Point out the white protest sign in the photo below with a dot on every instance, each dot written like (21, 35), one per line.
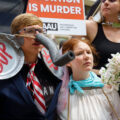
(65, 17)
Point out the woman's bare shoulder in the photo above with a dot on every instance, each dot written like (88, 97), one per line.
(91, 27)
(91, 23)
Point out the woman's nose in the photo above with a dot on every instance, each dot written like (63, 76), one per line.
(106, 2)
(86, 56)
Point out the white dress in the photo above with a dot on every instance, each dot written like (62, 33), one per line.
(92, 105)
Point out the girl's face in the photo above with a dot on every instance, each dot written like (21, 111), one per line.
(84, 58)
(110, 7)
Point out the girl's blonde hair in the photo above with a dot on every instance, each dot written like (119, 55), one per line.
(24, 20)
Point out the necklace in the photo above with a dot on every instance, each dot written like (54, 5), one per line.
(113, 24)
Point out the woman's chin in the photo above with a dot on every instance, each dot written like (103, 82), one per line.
(88, 69)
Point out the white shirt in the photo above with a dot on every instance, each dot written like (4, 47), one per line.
(93, 105)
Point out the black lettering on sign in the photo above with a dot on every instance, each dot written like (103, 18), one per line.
(50, 26)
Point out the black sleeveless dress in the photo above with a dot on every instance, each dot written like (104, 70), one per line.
(104, 47)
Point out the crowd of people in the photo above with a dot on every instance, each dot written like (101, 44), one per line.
(35, 93)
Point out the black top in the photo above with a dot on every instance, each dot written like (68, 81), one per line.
(48, 81)
(104, 47)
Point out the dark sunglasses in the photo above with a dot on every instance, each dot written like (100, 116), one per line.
(108, 0)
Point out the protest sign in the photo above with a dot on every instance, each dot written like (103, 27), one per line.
(60, 16)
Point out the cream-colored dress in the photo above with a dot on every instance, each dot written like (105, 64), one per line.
(93, 105)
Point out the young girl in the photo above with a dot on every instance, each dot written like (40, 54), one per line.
(87, 94)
